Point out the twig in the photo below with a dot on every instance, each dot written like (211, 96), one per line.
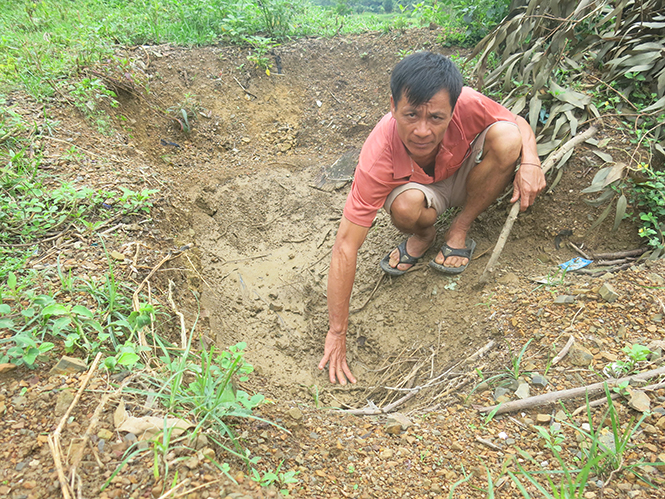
(572, 321)
(183, 328)
(245, 90)
(553, 397)
(333, 96)
(54, 438)
(615, 91)
(487, 443)
(609, 263)
(186, 481)
(514, 211)
(564, 351)
(187, 492)
(113, 158)
(619, 254)
(579, 250)
(93, 422)
(355, 311)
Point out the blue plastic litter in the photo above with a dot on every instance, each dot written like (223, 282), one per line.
(575, 263)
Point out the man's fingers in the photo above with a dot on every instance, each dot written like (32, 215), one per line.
(324, 361)
(347, 371)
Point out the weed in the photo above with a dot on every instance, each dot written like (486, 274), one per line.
(184, 112)
(89, 95)
(270, 477)
(635, 353)
(261, 46)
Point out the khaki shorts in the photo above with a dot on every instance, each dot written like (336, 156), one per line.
(452, 190)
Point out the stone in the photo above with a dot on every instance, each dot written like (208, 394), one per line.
(6, 367)
(661, 459)
(539, 380)
(116, 255)
(579, 356)
(543, 418)
(564, 300)
(500, 391)
(64, 400)
(661, 424)
(69, 365)
(105, 434)
(295, 413)
(560, 415)
(401, 419)
(608, 293)
(639, 400)
(522, 391)
(192, 463)
(393, 427)
(19, 403)
(386, 454)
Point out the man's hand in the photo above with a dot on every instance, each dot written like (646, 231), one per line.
(335, 355)
(529, 182)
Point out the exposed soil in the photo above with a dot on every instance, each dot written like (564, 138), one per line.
(239, 188)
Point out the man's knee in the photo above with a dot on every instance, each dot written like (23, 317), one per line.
(504, 141)
(407, 207)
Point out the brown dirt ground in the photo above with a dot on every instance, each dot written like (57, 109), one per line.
(239, 189)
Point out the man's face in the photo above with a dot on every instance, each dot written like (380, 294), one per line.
(421, 128)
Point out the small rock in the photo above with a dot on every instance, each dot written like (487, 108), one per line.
(522, 391)
(564, 300)
(6, 367)
(393, 427)
(192, 463)
(500, 391)
(116, 255)
(436, 488)
(579, 356)
(661, 459)
(295, 413)
(538, 380)
(649, 429)
(543, 418)
(401, 419)
(69, 365)
(560, 415)
(130, 438)
(19, 403)
(661, 423)
(64, 400)
(639, 400)
(105, 434)
(386, 454)
(608, 293)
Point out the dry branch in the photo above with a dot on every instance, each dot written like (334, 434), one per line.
(553, 397)
(551, 160)
(564, 351)
(54, 438)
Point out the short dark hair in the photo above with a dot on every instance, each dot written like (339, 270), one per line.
(421, 75)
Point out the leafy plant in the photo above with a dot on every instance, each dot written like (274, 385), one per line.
(635, 353)
(648, 194)
(89, 94)
(261, 46)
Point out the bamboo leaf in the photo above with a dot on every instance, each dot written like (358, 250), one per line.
(607, 158)
(602, 217)
(534, 111)
(621, 211)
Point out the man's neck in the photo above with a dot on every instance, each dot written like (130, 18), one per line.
(426, 162)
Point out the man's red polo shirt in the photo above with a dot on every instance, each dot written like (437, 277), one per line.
(385, 164)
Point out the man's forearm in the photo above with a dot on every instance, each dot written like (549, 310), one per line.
(340, 284)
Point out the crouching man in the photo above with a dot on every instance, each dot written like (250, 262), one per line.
(441, 145)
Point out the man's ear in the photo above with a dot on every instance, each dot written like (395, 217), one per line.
(393, 109)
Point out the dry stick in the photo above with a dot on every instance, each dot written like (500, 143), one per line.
(54, 438)
(187, 492)
(579, 250)
(183, 327)
(549, 398)
(78, 455)
(564, 351)
(505, 232)
(619, 254)
(414, 391)
(246, 91)
(378, 283)
(614, 396)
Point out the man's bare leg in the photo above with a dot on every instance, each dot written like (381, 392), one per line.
(485, 182)
(411, 216)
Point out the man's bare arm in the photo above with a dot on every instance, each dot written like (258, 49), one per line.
(529, 180)
(340, 284)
